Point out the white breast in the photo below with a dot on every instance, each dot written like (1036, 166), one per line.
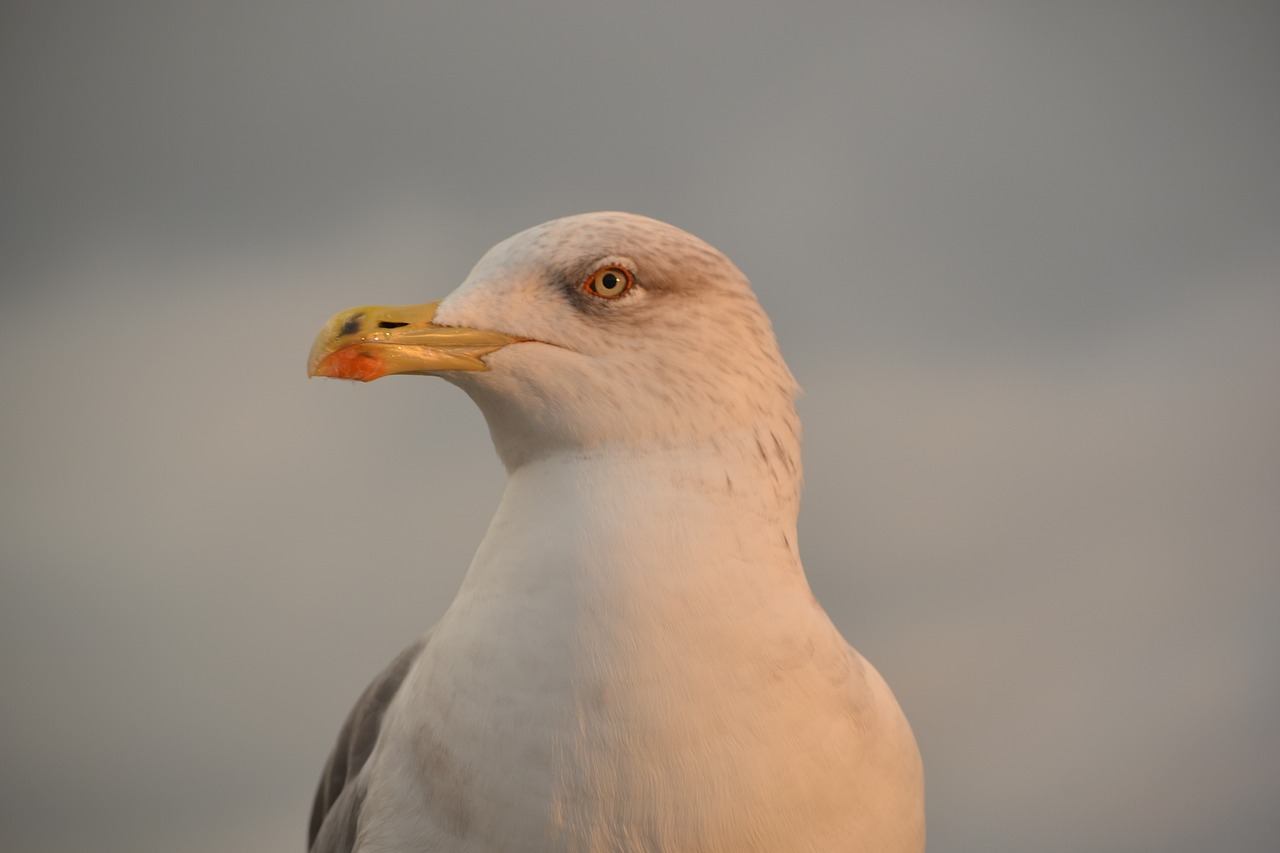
(635, 664)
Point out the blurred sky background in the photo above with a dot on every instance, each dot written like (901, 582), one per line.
(1024, 257)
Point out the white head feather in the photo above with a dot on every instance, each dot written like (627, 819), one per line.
(685, 356)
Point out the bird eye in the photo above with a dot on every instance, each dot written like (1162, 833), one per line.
(609, 282)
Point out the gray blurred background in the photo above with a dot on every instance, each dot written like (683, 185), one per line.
(1024, 258)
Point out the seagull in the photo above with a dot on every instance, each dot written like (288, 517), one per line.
(634, 660)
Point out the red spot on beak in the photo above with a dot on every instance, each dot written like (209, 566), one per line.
(351, 363)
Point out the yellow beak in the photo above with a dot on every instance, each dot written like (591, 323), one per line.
(379, 340)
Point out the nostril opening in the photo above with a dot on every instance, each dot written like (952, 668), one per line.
(387, 324)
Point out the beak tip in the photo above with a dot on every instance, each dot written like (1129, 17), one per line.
(352, 362)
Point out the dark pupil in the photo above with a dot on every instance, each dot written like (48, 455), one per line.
(610, 281)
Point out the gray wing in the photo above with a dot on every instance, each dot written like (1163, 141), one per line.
(342, 785)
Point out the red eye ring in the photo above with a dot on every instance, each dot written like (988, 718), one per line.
(609, 282)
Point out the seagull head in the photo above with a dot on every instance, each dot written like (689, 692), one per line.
(594, 332)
